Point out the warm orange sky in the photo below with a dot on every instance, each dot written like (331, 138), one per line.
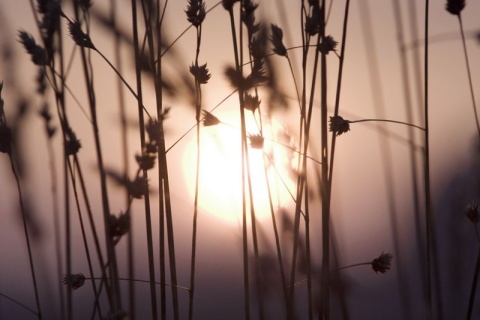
(359, 197)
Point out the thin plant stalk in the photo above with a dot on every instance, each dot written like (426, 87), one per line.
(404, 287)
(84, 238)
(19, 303)
(325, 186)
(471, 299)
(275, 230)
(27, 237)
(113, 268)
(56, 222)
(198, 106)
(60, 93)
(246, 280)
(148, 220)
(304, 139)
(308, 253)
(418, 84)
(164, 184)
(428, 209)
(386, 120)
(470, 82)
(125, 157)
(305, 124)
(101, 260)
(259, 282)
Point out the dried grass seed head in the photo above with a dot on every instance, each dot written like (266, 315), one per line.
(312, 23)
(472, 212)
(383, 262)
(119, 225)
(47, 117)
(251, 103)
(237, 80)
(154, 130)
(74, 281)
(72, 144)
(5, 133)
(138, 187)
(5, 138)
(228, 4)
(209, 119)
(85, 4)
(248, 16)
(257, 76)
(277, 41)
(455, 6)
(258, 45)
(256, 141)
(328, 44)
(200, 73)
(196, 12)
(36, 52)
(146, 161)
(41, 81)
(338, 125)
(79, 37)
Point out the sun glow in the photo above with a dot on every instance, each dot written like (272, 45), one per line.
(220, 187)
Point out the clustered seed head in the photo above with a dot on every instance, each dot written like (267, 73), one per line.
(74, 281)
(338, 125)
(41, 81)
(85, 4)
(382, 263)
(72, 144)
(119, 225)
(328, 44)
(200, 73)
(251, 103)
(248, 17)
(5, 134)
(36, 52)
(154, 129)
(138, 187)
(47, 117)
(81, 38)
(228, 4)
(209, 119)
(312, 22)
(257, 45)
(277, 41)
(146, 161)
(5, 139)
(472, 212)
(257, 76)
(256, 141)
(50, 12)
(196, 12)
(455, 6)
(236, 79)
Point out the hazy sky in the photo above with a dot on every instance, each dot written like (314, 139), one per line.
(360, 214)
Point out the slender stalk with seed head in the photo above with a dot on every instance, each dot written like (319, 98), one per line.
(151, 262)
(27, 237)
(196, 14)
(165, 204)
(455, 7)
(88, 75)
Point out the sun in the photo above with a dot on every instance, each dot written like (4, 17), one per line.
(220, 186)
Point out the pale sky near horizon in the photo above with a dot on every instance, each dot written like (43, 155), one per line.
(360, 207)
